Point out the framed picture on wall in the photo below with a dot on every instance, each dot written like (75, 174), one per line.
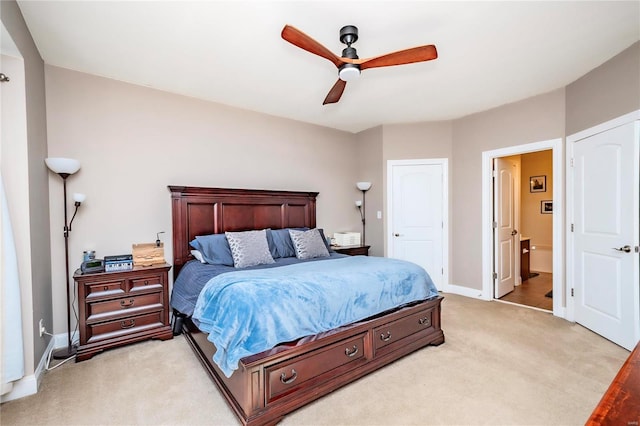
(538, 183)
(546, 206)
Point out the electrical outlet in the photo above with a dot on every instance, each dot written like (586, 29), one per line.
(41, 325)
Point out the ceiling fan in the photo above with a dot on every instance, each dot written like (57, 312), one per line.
(349, 65)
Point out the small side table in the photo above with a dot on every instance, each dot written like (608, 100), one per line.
(352, 250)
(118, 308)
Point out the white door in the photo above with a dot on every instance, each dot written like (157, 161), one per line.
(505, 232)
(417, 216)
(605, 206)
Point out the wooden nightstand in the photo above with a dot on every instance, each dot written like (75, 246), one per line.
(118, 308)
(352, 250)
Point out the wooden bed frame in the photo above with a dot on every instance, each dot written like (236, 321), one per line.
(273, 383)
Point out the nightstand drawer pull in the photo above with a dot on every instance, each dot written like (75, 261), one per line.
(146, 282)
(425, 321)
(106, 288)
(125, 305)
(352, 352)
(124, 325)
(294, 376)
(385, 338)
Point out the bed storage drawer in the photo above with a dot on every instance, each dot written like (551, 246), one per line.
(389, 336)
(288, 376)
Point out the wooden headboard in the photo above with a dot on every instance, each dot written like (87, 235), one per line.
(203, 211)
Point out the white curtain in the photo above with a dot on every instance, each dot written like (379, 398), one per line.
(12, 362)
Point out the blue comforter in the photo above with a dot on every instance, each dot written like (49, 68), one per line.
(247, 312)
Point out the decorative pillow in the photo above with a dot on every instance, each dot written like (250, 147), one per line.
(309, 244)
(249, 248)
(198, 256)
(214, 248)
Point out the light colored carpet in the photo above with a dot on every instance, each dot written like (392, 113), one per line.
(500, 365)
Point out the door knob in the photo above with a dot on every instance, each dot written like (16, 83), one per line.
(514, 232)
(626, 249)
(396, 235)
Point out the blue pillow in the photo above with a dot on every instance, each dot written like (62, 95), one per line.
(272, 245)
(280, 244)
(214, 248)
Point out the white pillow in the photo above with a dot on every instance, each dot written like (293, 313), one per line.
(249, 248)
(308, 244)
(197, 255)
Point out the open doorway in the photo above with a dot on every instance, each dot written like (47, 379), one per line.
(553, 208)
(532, 210)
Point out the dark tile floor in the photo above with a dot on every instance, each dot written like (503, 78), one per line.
(532, 292)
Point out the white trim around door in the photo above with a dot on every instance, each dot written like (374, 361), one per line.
(558, 217)
(444, 164)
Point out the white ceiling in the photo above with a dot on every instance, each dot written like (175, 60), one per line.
(231, 52)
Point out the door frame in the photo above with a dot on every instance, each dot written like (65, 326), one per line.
(444, 163)
(558, 217)
(571, 140)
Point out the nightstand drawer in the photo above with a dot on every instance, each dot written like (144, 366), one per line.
(99, 311)
(119, 327)
(146, 283)
(104, 288)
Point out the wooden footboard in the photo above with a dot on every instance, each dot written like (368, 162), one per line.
(273, 383)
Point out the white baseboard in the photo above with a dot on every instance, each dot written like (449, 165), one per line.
(29, 385)
(465, 291)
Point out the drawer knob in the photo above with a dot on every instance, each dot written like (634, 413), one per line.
(385, 337)
(425, 321)
(351, 352)
(124, 304)
(146, 282)
(124, 325)
(294, 376)
(106, 288)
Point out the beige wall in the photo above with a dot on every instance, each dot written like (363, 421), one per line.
(539, 118)
(133, 141)
(417, 141)
(370, 145)
(25, 170)
(533, 224)
(607, 92)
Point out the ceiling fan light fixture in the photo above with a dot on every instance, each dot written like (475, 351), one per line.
(349, 72)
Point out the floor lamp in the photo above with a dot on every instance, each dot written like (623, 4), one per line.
(65, 167)
(364, 187)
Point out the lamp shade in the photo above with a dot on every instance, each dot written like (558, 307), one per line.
(363, 186)
(79, 198)
(63, 165)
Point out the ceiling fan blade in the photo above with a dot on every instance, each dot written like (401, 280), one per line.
(303, 41)
(401, 57)
(335, 93)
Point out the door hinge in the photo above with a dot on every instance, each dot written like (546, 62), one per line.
(571, 292)
(571, 162)
(495, 225)
(572, 227)
(495, 275)
(442, 271)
